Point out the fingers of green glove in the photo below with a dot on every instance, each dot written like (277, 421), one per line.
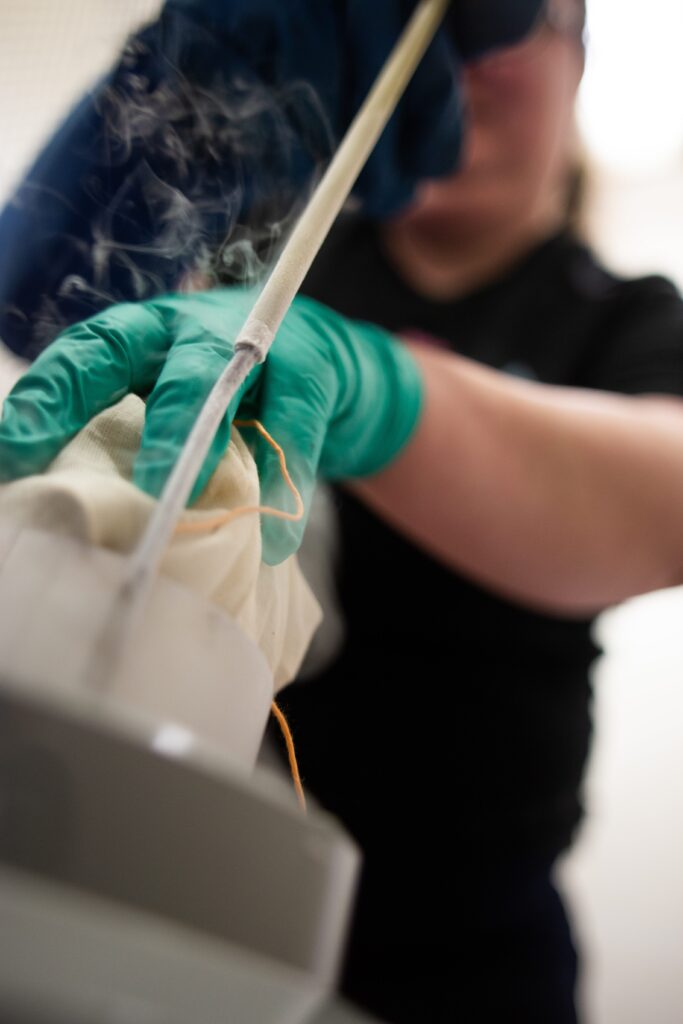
(295, 407)
(195, 361)
(89, 367)
(281, 538)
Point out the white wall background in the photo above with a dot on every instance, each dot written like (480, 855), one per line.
(624, 877)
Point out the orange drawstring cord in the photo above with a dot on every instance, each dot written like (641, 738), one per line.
(204, 525)
(291, 754)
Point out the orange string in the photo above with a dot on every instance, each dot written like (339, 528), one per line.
(222, 518)
(207, 524)
(291, 753)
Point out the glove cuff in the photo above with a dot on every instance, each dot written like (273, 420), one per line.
(377, 422)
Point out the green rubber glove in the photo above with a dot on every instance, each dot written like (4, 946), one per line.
(341, 398)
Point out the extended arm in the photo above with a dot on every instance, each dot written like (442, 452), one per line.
(566, 499)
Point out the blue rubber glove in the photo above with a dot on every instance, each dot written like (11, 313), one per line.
(342, 398)
(201, 132)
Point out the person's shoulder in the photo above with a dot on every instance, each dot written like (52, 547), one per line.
(652, 295)
(635, 337)
(587, 276)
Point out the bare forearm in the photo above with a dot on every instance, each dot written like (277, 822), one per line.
(567, 500)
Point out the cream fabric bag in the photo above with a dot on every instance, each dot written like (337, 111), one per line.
(87, 493)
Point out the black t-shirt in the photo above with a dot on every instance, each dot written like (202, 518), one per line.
(451, 734)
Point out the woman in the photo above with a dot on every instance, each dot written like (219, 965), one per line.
(497, 496)
(451, 733)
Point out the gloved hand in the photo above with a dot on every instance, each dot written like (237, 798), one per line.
(201, 123)
(342, 398)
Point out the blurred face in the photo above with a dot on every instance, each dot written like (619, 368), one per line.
(518, 140)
